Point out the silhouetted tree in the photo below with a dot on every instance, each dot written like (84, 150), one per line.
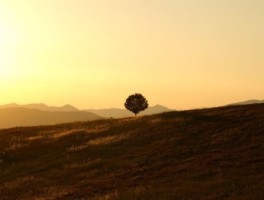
(136, 103)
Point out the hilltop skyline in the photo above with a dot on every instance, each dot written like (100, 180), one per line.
(94, 54)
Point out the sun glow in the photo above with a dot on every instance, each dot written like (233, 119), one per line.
(2, 36)
(94, 53)
(5, 72)
(5, 68)
(7, 49)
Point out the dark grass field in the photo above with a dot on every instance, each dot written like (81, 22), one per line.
(213, 153)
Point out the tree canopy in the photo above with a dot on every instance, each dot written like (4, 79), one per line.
(136, 103)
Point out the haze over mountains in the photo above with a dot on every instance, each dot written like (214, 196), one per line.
(43, 107)
(13, 115)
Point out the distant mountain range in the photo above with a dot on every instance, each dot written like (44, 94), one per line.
(43, 107)
(247, 102)
(13, 115)
(119, 113)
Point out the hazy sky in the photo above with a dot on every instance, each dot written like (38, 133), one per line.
(94, 53)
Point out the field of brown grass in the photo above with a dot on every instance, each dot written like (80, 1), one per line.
(215, 153)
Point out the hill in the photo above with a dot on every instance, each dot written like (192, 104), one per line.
(41, 106)
(12, 117)
(248, 102)
(198, 154)
(121, 113)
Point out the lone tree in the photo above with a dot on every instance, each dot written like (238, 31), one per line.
(136, 103)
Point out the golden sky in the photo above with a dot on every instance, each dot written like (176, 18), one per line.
(94, 53)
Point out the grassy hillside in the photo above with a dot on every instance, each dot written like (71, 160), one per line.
(201, 154)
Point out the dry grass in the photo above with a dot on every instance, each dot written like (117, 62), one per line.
(200, 154)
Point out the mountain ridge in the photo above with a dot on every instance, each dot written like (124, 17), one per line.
(41, 106)
(107, 113)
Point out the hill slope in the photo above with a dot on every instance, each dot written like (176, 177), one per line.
(12, 117)
(201, 154)
(248, 102)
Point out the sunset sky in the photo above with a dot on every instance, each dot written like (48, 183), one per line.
(94, 53)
